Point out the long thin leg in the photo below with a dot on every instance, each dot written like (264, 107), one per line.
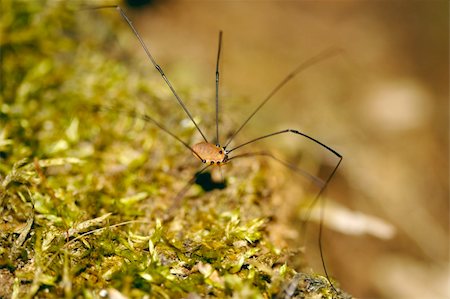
(308, 137)
(217, 87)
(148, 118)
(153, 61)
(322, 216)
(176, 201)
(308, 63)
(287, 131)
(318, 182)
(302, 172)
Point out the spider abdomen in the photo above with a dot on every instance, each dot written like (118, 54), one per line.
(210, 153)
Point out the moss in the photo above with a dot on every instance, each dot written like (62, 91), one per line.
(84, 194)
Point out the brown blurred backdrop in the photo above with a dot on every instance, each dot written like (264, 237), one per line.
(383, 104)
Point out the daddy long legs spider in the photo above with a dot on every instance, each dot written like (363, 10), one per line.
(216, 154)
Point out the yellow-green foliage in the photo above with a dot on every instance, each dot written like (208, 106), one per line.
(87, 195)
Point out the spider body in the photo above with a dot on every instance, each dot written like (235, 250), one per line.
(210, 153)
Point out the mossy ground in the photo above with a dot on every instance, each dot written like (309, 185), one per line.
(85, 193)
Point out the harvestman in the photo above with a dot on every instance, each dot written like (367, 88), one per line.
(215, 154)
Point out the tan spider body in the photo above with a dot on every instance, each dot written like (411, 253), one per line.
(210, 153)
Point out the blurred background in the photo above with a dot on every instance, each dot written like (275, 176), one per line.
(382, 103)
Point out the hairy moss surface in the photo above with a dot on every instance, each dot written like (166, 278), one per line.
(87, 194)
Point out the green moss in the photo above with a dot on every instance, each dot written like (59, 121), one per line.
(85, 194)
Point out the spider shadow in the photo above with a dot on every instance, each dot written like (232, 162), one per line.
(205, 181)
